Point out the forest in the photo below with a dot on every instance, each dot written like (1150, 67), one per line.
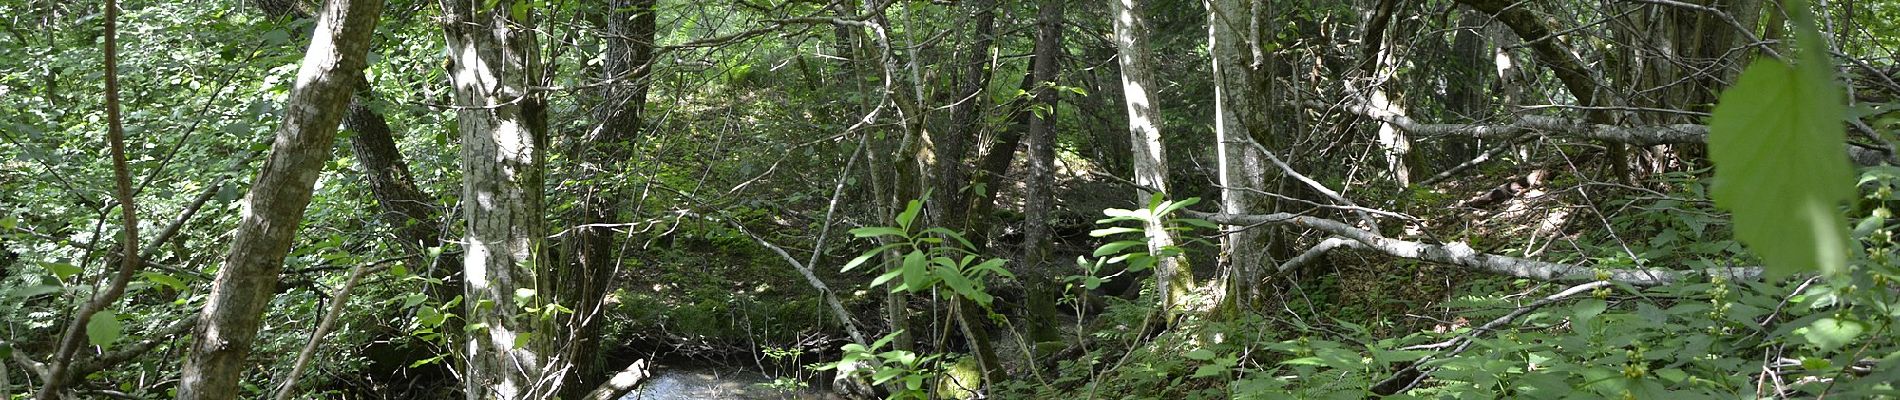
(949, 199)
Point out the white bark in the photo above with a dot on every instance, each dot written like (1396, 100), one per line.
(1556, 126)
(503, 128)
(1236, 155)
(1151, 159)
(1460, 254)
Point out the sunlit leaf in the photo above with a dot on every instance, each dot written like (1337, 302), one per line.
(1831, 333)
(104, 329)
(1776, 141)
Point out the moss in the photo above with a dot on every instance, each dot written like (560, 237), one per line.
(960, 380)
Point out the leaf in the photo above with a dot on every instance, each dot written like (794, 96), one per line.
(1112, 231)
(60, 269)
(1831, 333)
(1199, 355)
(915, 273)
(104, 329)
(1117, 247)
(875, 231)
(860, 259)
(886, 277)
(909, 214)
(33, 291)
(1776, 141)
(167, 280)
(963, 286)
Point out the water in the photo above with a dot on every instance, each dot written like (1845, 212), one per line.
(700, 383)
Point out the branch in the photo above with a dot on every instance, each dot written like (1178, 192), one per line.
(837, 308)
(153, 339)
(1461, 254)
(1463, 342)
(1566, 127)
(622, 382)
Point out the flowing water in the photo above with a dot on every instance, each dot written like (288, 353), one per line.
(710, 383)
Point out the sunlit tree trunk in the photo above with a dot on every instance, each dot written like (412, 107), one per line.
(274, 208)
(1240, 166)
(1172, 279)
(504, 129)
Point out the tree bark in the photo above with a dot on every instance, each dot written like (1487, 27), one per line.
(605, 152)
(274, 208)
(950, 207)
(1239, 165)
(504, 131)
(1039, 185)
(1151, 158)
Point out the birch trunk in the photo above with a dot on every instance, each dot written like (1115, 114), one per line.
(1151, 159)
(503, 132)
(331, 70)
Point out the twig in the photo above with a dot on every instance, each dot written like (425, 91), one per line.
(115, 136)
(337, 302)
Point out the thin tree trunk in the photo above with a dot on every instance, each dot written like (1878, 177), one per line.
(504, 132)
(273, 210)
(1240, 167)
(1172, 279)
(1039, 185)
(129, 259)
(605, 151)
(949, 207)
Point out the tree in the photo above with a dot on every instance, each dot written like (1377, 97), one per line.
(1172, 279)
(604, 152)
(274, 208)
(503, 126)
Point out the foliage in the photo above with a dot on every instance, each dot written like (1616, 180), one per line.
(928, 259)
(1776, 141)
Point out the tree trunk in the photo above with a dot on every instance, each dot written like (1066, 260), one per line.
(949, 205)
(504, 131)
(628, 47)
(274, 208)
(1240, 166)
(1039, 185)
(1172, 279)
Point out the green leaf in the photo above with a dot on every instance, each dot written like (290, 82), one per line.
(1112, 231)
(1831, 333)
(1117, 247)
(875, 231)
(33, 291)
(1199, 355)
(104, 328)
(60, 269)
(861, 258)
(963, 286)
(916, 273)
(886, 277)
(909, 214)
(1776, 141)
(167, 280)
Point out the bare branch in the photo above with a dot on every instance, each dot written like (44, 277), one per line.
(1461, 254)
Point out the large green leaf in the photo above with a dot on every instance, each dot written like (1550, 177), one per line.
(1776, 140)
(104, 328)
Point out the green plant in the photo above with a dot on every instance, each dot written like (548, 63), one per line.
(911, 372)
(929, 259)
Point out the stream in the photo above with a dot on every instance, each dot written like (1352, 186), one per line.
(712, 383)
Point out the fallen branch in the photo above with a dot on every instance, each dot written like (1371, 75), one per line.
(622, 382)
(1461, 254)
(1557, 126)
